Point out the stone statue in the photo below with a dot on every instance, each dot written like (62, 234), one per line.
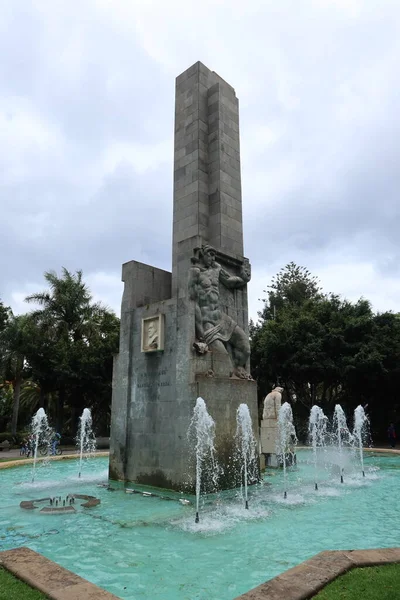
(272, 403)
(152, 335)
(214, 328)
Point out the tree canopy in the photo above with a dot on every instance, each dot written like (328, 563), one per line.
(325, 350)
(59, 356)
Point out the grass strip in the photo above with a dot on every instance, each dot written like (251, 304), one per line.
(369, 583)
(12, 588)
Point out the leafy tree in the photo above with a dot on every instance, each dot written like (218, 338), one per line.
(77, 340)
(292, 286)
(5, 315)
(290, 290)
(14, 341)
(326, 350)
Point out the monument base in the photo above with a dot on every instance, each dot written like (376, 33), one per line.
(223, 397)
(272, 460)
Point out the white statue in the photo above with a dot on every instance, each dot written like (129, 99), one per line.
(152, 335)
(272, 403)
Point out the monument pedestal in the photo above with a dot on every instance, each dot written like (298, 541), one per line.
(223, 397)
(268, 439)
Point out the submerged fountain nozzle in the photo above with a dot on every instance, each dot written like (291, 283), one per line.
(245, 447)
(360, 431)
(341, 479)
(287, 439)
(85, 439)
(41, 436)
(285, 495)
(201, 434)
(317, 433)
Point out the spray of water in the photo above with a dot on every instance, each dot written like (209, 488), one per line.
(287, 439)
(341, 433)
(317, 426)
(360, 431)
(201, 434)
(41, 435)
(246, 446)
(85, 439)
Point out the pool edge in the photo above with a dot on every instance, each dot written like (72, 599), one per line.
(309, 577)
(49, 577)
(29, 461)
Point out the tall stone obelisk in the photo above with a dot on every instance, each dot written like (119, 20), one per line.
(185, 334)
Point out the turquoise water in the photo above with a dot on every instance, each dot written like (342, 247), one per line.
(144, 547)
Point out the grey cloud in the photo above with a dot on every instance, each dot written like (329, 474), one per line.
(323, 81)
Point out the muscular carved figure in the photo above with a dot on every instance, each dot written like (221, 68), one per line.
(214, 328)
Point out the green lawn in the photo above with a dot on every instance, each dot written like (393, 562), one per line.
(370, 583)
(12, 588)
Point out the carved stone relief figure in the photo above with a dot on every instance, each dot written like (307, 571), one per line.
(152, 335)
(215, 329)
(272, 403)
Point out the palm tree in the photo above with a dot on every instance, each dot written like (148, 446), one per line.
(67, 307)
(67, 318)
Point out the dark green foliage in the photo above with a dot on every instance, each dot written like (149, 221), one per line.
(61, 355)
(325, 350)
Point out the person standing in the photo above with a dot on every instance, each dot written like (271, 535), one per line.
(392, 435)
(54, 443)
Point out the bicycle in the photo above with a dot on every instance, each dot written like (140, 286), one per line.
(44, 450)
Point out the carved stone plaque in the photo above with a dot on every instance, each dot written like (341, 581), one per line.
(153, 334)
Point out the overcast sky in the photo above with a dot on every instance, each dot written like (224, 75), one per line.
(86, 146)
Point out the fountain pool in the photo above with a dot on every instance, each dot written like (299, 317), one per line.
(147, 547)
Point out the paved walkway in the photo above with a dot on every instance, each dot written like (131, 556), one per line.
(15, 452)
(13, 458)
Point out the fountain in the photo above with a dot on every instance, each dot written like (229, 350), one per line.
(85, 439)
(202, 433)
(287, 439)
(131, 523)
(60, 504)
(41, 434)
(359, 431)
(245, 444)
(317, 432)
(342, 433)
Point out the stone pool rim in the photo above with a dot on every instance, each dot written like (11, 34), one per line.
(302, 582)
(50, 578)
(309, 577)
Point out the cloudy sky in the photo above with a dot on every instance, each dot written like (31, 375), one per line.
(86, 146)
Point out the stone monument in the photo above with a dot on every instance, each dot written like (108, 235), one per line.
(185, 334)
(269, 426)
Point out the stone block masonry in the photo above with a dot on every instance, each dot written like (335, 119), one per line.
(207, 182)
(154, 393)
